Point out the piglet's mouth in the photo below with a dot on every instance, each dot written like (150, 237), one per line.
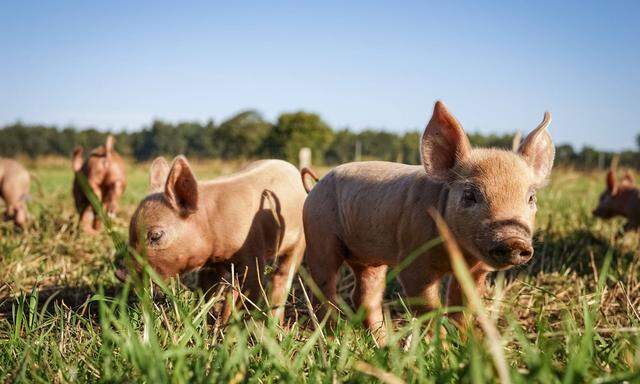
(601, 214)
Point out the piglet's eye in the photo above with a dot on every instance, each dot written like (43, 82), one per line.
(154, 236)
(469, 197)
(532, 198)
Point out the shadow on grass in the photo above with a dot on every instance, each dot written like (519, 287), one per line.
(582, 252)
(75, 298)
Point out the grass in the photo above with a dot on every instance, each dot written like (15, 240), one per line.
(572, 315)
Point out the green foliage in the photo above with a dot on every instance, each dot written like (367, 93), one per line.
(491, 140)
(242, 135)
(342, 147)
(294, 131)
(380, 145)
(248, 135)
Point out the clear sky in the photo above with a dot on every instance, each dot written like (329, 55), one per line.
(498, 66)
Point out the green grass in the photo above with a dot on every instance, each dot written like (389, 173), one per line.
(573, 315)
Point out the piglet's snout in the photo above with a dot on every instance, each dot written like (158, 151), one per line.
(513, 251)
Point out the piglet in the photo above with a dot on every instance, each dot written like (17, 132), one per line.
(14, 190)
(372, 215)
(105, 175)
(248, 219)
(621, 198)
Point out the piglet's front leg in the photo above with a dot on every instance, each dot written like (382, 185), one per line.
(368, 295)
(455, 296)
(421, 287)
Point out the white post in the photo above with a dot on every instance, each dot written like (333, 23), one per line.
(304, 157)
(358, 154)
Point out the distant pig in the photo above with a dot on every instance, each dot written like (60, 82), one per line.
(621, 198)
(14, 189)
(248, 219)
(372, 215)
(105, 174)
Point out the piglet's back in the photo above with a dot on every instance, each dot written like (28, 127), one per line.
(369, 199)
(14, 173)
(265, 185)
(260, 176)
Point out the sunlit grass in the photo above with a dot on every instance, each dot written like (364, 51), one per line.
(570, 316)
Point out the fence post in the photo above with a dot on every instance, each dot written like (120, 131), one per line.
(304, 157)
(358, 155)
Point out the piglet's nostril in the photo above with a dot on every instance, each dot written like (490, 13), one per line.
(521, 252)
(526, 253)
(513, 252)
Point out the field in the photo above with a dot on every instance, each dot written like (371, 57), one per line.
(571, 315)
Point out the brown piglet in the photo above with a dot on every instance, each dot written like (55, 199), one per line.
(373, 215)
(248, 219)
(14, 190)
(621, 198)
(105, 175)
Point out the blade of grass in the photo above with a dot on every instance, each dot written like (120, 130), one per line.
(461, 272)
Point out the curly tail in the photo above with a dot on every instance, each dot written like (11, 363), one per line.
(308, 172)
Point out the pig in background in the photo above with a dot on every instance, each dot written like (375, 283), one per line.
(14, 190)
(372, 215)
(105, 174)
(620, 198)
(248, 219)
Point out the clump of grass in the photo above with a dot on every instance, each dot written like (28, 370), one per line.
(572, 316)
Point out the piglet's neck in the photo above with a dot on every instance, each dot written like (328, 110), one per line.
(631, 198)
(206, 215)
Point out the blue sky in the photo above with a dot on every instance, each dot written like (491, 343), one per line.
(497, 66)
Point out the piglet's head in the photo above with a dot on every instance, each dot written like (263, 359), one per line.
(17, 212)
(165, 226)
(491, 200)
(97, 164)
(616, 198)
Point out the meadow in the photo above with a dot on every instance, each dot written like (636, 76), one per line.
(570, 315)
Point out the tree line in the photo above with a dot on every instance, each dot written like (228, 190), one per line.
(248, 135)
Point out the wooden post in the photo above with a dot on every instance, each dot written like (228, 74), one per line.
(304, 157)
(358, 155)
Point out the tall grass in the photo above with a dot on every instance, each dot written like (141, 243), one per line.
(571, 316)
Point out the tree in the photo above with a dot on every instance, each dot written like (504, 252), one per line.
(565, 154)
(490, 141)
(200, 139)
(161, 139)
(411, 147)
(342, 148)
(380, 145)
(296, 130)
(242, 135)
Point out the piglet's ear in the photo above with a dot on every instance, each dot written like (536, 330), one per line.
(108, 145)
(181, 189)
(611, 181)
(76, 159)
(538, 150)
(444, 143)
(628, 178)
(158, 173)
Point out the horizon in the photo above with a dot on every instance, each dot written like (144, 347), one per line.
(359, 66)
